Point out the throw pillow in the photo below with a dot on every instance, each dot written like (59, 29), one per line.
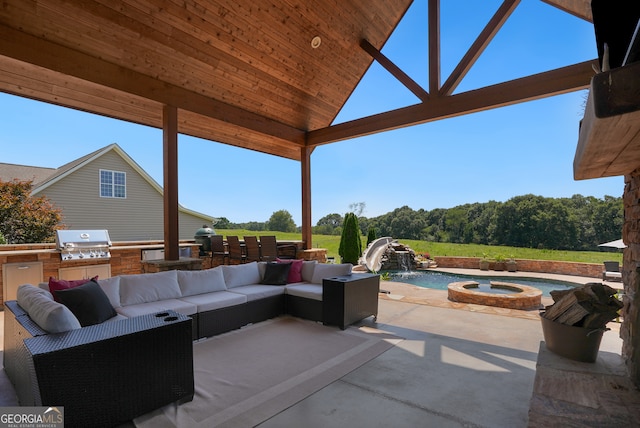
(63, 284)
(295, 273)
(276, 273)
(88, 303)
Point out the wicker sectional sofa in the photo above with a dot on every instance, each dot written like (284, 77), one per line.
(147, 323)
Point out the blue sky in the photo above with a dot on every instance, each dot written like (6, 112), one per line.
(491, 155)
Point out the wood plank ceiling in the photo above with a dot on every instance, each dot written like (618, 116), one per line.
(241, 72)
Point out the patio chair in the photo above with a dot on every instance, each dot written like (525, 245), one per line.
(611, 271)
(235, 250)
(252, 249)
(268, 248)
(218, 249)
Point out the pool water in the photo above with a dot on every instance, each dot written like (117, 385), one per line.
(486, 288)
(440, 280)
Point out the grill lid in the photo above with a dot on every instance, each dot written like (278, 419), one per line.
(83, 244)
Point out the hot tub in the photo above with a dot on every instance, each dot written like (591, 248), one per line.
(512, 296)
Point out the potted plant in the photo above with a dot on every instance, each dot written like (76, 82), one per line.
(484, 262)
(511, 264)
(500, 262)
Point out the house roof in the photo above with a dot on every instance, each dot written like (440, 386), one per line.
(9, 172)
(45, 177)
(267, 76)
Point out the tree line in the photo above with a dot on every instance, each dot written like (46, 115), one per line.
(529, 221)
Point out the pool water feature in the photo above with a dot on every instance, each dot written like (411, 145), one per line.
(441, 280)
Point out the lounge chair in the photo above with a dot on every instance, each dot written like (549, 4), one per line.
(611, 271)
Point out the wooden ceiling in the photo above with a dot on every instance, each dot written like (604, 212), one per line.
(242, 72)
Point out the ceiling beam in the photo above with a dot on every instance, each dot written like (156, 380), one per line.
(479, 45)
(402, 77)
(554, 82)
(579, 8)
(33, 50)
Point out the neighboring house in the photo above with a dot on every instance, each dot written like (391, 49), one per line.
(107, 189)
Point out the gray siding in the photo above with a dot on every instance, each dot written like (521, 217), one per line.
(139, 216)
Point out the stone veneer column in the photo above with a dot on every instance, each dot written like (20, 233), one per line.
(631, 276)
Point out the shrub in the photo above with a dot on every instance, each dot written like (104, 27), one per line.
(371, 235)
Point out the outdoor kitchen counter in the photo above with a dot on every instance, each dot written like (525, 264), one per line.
(125, 260)
(20, 252)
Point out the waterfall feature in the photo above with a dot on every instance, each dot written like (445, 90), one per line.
(404, 260)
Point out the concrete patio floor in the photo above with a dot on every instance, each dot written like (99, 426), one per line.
(460, 365)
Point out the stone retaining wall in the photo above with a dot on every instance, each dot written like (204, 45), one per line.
(593, 270)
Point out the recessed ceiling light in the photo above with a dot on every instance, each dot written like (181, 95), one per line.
(315, 42)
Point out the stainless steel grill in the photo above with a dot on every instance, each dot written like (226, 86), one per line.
(83, 244)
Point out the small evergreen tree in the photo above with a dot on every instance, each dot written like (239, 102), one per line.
(371, 235)
(350, 243)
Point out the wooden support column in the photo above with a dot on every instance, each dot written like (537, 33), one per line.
(305, 161)
(170, 163)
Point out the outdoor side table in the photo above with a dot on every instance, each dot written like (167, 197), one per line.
(349, 298)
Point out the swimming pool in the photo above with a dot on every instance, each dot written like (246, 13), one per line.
(440, 280)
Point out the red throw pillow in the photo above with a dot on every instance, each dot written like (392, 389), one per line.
(295, 273)
(63, 284)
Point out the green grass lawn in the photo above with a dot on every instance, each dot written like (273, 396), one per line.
(331, 243)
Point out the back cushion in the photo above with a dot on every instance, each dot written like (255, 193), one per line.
(149, 287)
(307, 270)
(50, 315)
(322, 271)
(239, 275)
(262, 267)
(201, 281)
(111, 287)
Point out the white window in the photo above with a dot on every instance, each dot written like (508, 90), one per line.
(113, 184)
